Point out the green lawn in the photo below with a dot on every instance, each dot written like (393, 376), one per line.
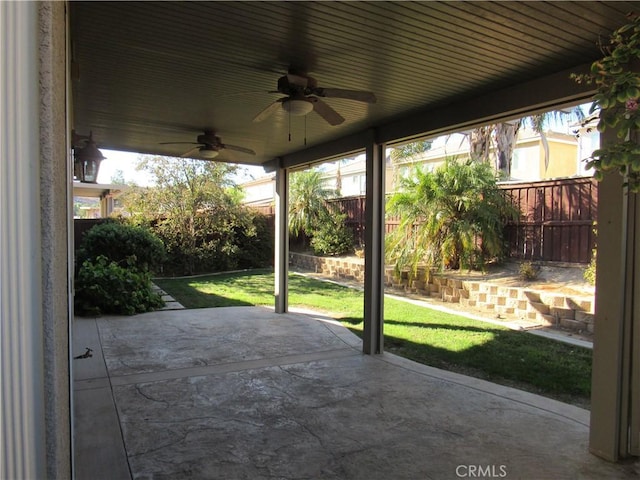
(442, 340)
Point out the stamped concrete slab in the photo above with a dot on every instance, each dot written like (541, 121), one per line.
(169, 340)
(98, 443)
(99, 448)
(290, 396)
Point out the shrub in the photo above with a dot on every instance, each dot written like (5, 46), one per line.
(124, 244)
(256, 243)
(223, 239)
(529, 271)
(332, 236)
(590, 272)
(104, 286)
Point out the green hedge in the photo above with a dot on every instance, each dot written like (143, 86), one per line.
(113, 268)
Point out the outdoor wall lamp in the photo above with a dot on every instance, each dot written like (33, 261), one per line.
(86, 161)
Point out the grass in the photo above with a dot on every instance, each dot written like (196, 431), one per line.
(442, 340)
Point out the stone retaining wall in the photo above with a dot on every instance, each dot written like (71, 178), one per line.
(538, 307)
(558, 310)
(335, 267)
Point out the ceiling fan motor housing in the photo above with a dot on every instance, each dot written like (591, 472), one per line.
(209, 139)
(296, 84)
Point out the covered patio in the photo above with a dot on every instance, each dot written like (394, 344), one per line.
(151, 77)
(244, 393)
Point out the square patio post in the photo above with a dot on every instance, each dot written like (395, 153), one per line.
(374, 250)
(281, 261)
(615, 397)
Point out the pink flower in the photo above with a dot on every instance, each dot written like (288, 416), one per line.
(631, 105)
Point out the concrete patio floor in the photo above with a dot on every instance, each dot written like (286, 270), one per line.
(243, 393)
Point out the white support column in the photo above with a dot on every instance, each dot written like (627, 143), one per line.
(615, 397)
(22, 393)
(374, 251)
(281, 262)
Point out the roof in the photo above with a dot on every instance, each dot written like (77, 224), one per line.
(152, 72)
(97, 190)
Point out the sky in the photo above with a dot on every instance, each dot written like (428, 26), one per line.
(125, 161)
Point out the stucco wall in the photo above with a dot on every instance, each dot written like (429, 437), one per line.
(55, 221)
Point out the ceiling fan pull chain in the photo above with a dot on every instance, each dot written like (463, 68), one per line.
(305, 130)
(289, 125)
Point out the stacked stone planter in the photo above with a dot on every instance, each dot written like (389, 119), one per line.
(335, 267)
(536, 307)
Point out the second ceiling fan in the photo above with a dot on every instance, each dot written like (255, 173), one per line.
(209, 146)
(302, 96)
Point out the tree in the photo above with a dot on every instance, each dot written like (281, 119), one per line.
(617, 97)
(118, 178)
(195, 208)
(405, 153)
(452, 217)
(307, 201)
(332, 236)
(495, 143)
(410, 149)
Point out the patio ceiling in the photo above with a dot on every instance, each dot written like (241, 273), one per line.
(151, 72)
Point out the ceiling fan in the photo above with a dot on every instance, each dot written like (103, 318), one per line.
(209, 146)
(302, 92)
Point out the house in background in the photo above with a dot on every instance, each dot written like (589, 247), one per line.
(588, 141)
(536, 157)
(348, 177)
(104, 198)
(556, 155)
(260, 191)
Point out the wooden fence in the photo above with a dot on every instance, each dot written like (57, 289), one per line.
(557, 220)
(82, 226)
(556, 224)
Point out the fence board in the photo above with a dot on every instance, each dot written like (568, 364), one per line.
(556, 222)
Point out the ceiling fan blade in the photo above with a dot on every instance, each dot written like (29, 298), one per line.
(268, 111)
(178, 143)
(358, 95)
(326, 112)
(238, 149)
(188, 154)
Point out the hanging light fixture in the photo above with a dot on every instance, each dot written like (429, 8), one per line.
(208, 152)
(86, 162)
(297, 107)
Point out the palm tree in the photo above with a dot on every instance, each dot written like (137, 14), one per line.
(404, 154)
(503, 136)
(452, 217)
(307, 201)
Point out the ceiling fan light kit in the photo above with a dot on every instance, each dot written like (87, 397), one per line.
(297, 107)
(302, 96)
(208, 153)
